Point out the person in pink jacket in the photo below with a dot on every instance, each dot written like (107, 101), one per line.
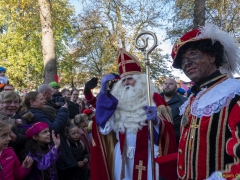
(10, 167)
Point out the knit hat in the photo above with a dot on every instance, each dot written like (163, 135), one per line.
(35, 129)
(2, 69)
(54, 84)
(87, 111)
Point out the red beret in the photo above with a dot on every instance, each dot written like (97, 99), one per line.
(87, 111)
(35, 129)
(190, 36)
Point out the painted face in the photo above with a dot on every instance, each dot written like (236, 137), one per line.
(75, 95)
(169, 87)
(43, 137)
(73, 134)
(10, 107)
(128, 81)
(4, 137)
(39, 102)
(197, 65)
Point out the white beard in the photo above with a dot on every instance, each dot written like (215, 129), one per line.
(130, 114)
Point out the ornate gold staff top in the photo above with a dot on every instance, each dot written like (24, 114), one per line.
(146, 53)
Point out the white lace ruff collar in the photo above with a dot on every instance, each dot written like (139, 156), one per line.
(214, 100)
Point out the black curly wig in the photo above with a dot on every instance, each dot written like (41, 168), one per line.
(214, 49)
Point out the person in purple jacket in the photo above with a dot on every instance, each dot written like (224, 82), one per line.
(44, 155)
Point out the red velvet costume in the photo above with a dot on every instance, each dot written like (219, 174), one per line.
(210, 127)
(210, 143)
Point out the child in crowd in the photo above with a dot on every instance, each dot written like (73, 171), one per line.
(79, 152)
(44, 155)
(10, 167)
(90, 114)
(3, 78)
(81, 121)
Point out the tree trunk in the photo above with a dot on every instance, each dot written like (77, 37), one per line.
(199, 13)
(48, 45)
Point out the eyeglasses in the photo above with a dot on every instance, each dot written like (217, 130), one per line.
(75, 94)
(2, 72)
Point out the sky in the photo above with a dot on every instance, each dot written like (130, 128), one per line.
(166, 46)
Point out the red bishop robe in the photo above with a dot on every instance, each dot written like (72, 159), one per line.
(102, 147)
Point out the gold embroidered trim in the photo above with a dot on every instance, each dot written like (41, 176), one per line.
(160, 142)
(93, 142)
(126, 62)
(208, 145)
(165, 113)
(91, 99)
(140, 168)
(101, 147)
(179, 44)
(185, 152)
(166, 145)
(235, 149)
(228, 166)
(130, 73)
(223, 135)
(217, 139)
(193, 127)
(197, 153)
(238, 103)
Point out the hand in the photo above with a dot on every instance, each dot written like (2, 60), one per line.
(80, 163)
(104, 82)
(151, 112)
(13, 137)
(18, 122)
(65, 106)
(57, 104)
(56, 139)
(85, 160)
(92, 83)
(27, 163)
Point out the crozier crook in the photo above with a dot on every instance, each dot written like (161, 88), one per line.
(146, 53)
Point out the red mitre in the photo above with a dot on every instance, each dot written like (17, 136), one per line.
(186, 38)
(128, 63)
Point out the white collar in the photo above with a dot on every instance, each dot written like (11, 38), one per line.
(213, 100)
